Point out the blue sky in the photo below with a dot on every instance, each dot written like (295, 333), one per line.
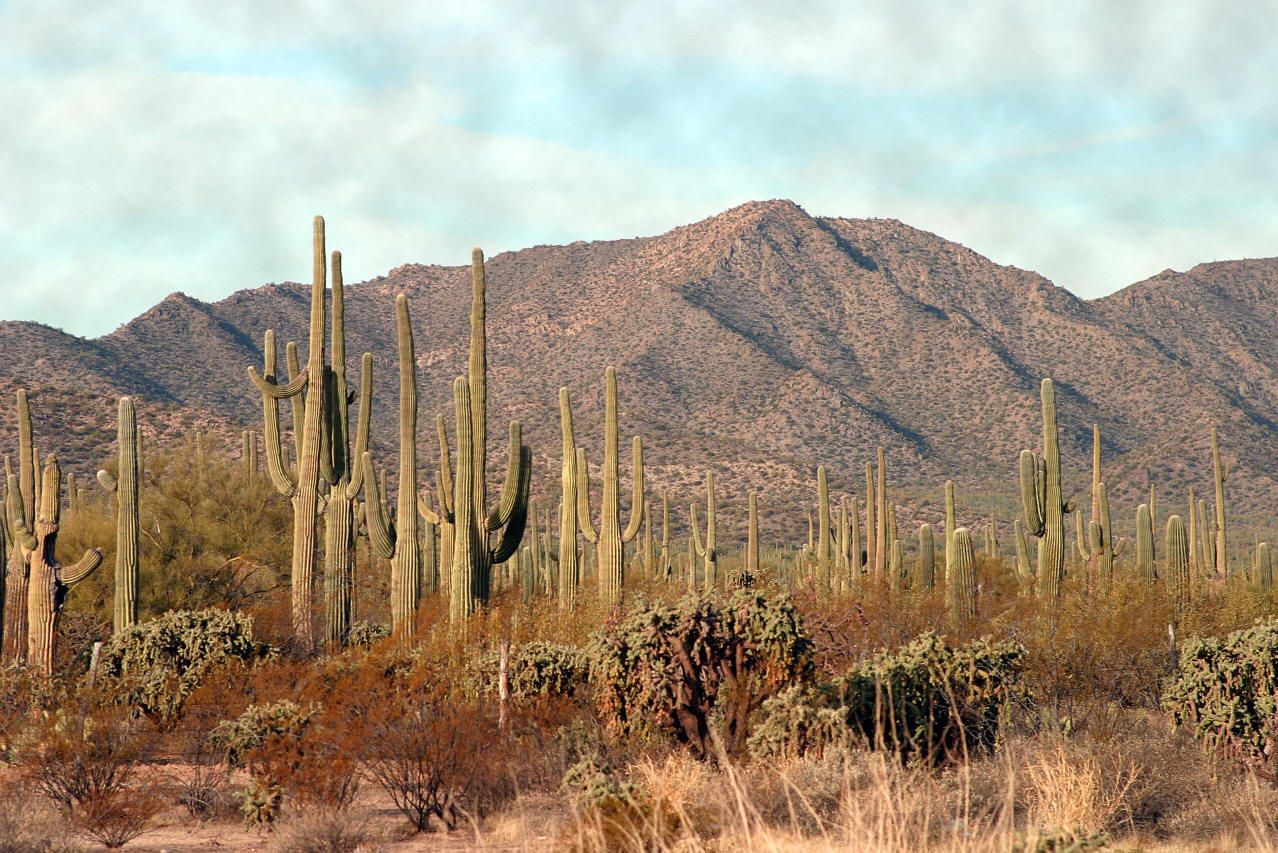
(180, 146)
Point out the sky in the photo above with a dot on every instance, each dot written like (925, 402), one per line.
(150, 147)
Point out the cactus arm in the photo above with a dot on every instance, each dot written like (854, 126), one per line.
(71, 575)
(381, 533)
(22, 534)
(510, 490)
(362, 426)
(513, 533)
(1031, 493)
(583, 498)
(637, 497)
(298, 401)
(287, 391)
(477, 369)
(697, 544)
(424, 509)
(107, 480)
(282, 478)
(445, 469)
(28, 464)
(1083, 550)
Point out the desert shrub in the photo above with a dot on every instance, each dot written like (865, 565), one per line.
(271, 742)
(1059, 841)
(365, 633)
(86, 761)
(1226, 693)
(927, 702)
(437, 753)
(158, 664)
(670, 668)
(320, 832)
(536, 669)
(27, 827)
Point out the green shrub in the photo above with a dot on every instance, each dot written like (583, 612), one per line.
(158, 664)
(927, 702)
(672, 668)
(365, 633)
(1226, 692)
(266, 739)
(537, 669)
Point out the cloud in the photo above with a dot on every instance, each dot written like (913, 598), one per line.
(166, 146)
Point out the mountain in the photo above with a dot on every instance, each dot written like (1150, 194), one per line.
(761, 342)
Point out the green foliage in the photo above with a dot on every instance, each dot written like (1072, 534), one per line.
(158, 664)
(1226, 691)
(264, 739)
(1059, 841)
(537, 669)
(670, 668)
(365, 633)
(927, 702)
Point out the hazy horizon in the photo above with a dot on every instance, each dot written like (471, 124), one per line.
(182, 148)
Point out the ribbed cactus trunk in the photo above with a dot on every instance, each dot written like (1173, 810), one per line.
(1043, 506)
(823, 541)
(21, 507)
(707, 548)
(127, 526)
(950, 527)
(397, 541)
(1193, 533)
(569, 571)
(665, 536)
(609, 538)
(1222, 471)
(752, 540)
(50, 581)
(1176, 549)
(925, 565)
(882, 539)
(962, 586)
(871, 523)
(466, 590)
(1206, 541)
(1144, 544)
(1024, 569)
(1264, 568)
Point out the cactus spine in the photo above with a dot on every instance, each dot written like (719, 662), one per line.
(49, 580)
(925, 566)
(1041, 500)
(1144, 543)
(397, 540)
(707, 550)
(1222, 472)
(127, 527)
(962, 586)
(609, 538)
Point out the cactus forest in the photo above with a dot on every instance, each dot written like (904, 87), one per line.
(322, 637)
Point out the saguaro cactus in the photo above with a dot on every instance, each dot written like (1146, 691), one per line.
(925, 566)
(127, 527)
(22, 491)
(824, 543)
(475, 527)
(49, 580)
(950, 527)
(397, 540)
(962, 586)
(1144, 544)
(1264, 568)
(665, 536)
(1222, 470)
(752, 540)
(871, 524)
(882, 539)
(302, 486)
(1043, 505)
(1176, 548)
(1024, 569)
(707, 549)
(569, 571)
(609, 538)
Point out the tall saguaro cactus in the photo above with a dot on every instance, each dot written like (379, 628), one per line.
(50, 580)
(1144, 543)
(22, 491)
(962, 585)
(303, 485)
(950, 526)
(1044, 508)
(127, 526)
(925, 567)
(823, 540)
(569, 571)
(1222, 470)
(397, 540)
(706, 549)
(752, 540)
(1176, 548)
(609, 538)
